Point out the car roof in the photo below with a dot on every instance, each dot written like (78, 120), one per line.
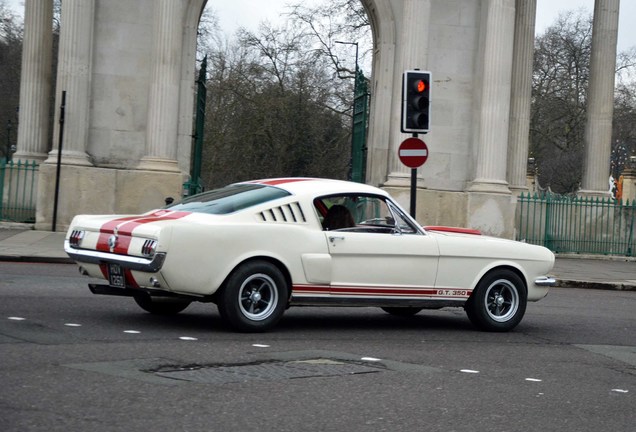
(317, 186)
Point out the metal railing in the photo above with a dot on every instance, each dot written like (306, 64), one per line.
(18, 190)
(580, 225)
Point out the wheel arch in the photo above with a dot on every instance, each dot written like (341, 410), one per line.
(502, 266)
(274, 261)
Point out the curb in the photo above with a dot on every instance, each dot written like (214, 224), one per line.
(607, 286)
(34, 259)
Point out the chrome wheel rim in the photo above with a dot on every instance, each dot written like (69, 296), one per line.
(501, 300)
(258, 297)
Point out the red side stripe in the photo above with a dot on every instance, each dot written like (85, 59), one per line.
(379, 292)
(382, 291)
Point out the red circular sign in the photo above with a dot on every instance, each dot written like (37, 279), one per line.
(413, 152)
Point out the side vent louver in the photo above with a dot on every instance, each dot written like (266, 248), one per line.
(288, 213)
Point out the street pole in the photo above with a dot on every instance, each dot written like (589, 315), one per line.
(59, 160)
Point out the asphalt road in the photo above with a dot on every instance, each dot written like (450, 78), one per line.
(72, 361)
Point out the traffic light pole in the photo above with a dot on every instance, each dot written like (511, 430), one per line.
(416, 95)
(413, 188)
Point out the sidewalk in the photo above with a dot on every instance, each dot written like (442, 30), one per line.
(32, 246)
(18, 244)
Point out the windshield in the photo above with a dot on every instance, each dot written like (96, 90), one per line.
(229, 199)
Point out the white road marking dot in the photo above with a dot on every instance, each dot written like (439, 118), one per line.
(533, 379)
(188, 338)
(132, 331)
(370, 359)
(620, 391)
(72, 325)
(469, 371)
(16, 318)
(260, 345)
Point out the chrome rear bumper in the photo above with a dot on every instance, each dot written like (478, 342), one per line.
(128, 262)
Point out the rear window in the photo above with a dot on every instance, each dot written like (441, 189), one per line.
(230, 199)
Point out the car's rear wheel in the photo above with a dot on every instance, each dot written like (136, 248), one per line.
(499, 301)
(402, 311)
(160, 305)
(254, 297)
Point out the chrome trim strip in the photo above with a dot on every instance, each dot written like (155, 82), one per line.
(133, 263)
(545, 281)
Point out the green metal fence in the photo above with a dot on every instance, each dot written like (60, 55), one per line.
(18, 183)
(581, 225)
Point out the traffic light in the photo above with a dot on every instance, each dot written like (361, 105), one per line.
(416, 103)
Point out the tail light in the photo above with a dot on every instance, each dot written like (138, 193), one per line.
(149, 248)
(76, 238)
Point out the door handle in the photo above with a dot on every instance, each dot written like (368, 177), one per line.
(333, 239)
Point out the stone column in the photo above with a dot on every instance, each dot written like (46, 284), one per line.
(380, 118)
(629, 181)
(161, 133)
(493, 98)
(74, 74)
(35, 80)
(413, 53)
(521, 93)
(598, 128)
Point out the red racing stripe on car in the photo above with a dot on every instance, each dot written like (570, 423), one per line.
(109, 228)
(453, 230)
(130, 279)
(381, 291)
(127, 228)
(126, 225)
(274, 182)
(311, 289)
(357, 291)
(104, 270)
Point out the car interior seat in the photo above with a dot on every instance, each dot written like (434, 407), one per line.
(338, 217)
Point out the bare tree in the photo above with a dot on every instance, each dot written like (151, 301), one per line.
(10, 66)
(559, 100)
(271, 110)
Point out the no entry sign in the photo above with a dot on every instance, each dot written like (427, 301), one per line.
(413, 152)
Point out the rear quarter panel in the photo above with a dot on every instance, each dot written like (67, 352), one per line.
(200, 256)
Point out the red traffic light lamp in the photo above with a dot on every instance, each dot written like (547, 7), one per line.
(416, 101)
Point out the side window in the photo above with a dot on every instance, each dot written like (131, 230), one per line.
(403, 224)
(361, 213)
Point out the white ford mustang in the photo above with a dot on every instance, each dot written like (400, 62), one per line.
(256, 248)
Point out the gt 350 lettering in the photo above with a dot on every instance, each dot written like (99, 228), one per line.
(452, 293)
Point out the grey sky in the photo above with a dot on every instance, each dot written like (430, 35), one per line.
(248, 13)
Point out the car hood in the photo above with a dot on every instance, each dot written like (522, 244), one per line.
(458, 242)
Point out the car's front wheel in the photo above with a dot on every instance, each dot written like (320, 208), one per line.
(499, 301)
(160, 305)
(254, 297)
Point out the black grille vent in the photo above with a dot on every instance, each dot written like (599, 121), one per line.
(288, 213)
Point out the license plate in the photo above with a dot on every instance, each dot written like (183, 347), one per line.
(116, 276)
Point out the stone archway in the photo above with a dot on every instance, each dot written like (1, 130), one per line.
(129, 70)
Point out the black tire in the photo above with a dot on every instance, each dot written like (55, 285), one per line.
(402, 311)
(254, 297)
(499, 301)
(161, 305)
